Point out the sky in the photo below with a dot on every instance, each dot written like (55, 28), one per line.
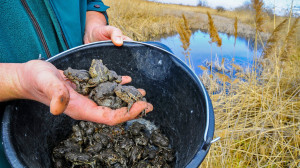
(280, 5)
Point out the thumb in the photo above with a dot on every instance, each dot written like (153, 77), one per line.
(57, 92)
(59, 100)
(115, 35)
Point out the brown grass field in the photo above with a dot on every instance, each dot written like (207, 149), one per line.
(144, 20)
(258, 119)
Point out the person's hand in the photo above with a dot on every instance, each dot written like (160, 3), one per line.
(97, 30)
(41, 81)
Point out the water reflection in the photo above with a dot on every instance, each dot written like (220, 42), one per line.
(201, 50)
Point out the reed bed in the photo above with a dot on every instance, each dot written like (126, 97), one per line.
(143, 20)
(258, 114)
(257, 111)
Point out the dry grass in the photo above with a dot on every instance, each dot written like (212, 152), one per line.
(258, 122)
(143, 20)
(257, 116)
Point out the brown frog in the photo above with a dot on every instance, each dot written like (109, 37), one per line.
(126, 143)
(60, 151)
(94, 149)
(60, 163)
(159, 162)
(129, 94)
(80, 78)
(136, 153)
(80, 159)
(100, 73)
(159, 139)
(103, 95)
(142, 164)
(136, 128)
(141, 140)
(109, 157)
(113, 76)
(168, 154)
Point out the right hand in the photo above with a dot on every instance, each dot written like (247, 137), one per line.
(41, 81)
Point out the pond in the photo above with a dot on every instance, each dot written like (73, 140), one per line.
(201, 50)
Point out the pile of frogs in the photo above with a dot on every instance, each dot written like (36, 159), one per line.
(98, 145)
(103, 86)
(93, 145)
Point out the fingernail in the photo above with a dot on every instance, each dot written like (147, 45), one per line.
(118, 40)
(149, 107)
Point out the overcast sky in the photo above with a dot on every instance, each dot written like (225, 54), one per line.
(231, 4)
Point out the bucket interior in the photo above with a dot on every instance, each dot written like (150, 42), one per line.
(180, 105)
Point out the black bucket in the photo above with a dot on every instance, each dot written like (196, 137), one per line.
(182, 107)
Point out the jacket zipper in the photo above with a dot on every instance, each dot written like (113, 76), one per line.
(64, 37)
(37, 28)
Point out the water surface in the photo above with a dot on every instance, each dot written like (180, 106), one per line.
(201, 50)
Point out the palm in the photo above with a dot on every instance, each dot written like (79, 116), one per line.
(82, 108)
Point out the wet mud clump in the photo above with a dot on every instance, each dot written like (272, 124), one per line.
(93, 145)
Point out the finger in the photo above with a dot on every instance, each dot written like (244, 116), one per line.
(56, 91)
(122, 114)
(115, 35)
(126, 79)
(71, 84)
(139, 106)
(142, 91)
(58, 103)
(149, 108)
(67, 81)
(127, 38)
(108, 116)
(61, 72)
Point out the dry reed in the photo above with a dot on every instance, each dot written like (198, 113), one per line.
(257, 6)
(273, 41)
(259, 122)
(185, 34)
(235, 29)
(288, 47)
(213, 32)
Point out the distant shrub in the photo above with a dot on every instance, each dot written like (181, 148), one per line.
(245, 7)
(220, 9)
(269, 12)
(202, 3)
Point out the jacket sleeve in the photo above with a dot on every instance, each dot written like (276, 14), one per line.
(97, 5)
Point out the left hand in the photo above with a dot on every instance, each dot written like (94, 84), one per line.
(97, 30)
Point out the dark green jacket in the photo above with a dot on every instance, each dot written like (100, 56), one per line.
(33, 28)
